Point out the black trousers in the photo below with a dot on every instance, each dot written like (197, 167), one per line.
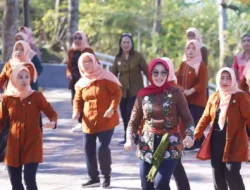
(248, 132)
(34, 86)
(41, 122)
(73, 92)
(180, 177)
(162, 178)
(196, 112)
(15, 175)
(225, 174)
(126, 106)
(163, 175)
(103, 151)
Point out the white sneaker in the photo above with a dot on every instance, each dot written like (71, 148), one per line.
(4, 167)
(77, 128)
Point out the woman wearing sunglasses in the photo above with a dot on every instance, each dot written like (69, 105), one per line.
(159, 106)
(79, 46)
(192, 76)
(128, 65)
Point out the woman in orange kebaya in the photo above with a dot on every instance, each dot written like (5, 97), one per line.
(192, 76)
(194, 34)
(98, 95)
(20, 56)
(24, 144)
(32, 57)
(79, 46)
(226, 144)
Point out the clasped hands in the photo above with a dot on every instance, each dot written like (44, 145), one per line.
(188, 142)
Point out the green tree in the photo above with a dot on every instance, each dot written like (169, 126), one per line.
(105, 20)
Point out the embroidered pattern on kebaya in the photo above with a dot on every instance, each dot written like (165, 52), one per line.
(146, 148)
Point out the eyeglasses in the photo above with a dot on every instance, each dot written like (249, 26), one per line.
(77, 38)
(127, 34)
(163, 73)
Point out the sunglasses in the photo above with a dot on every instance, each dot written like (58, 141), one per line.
(77, 38)
(163, 73)
(127, 34)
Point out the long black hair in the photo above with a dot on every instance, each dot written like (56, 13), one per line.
(131, 51)
(245, 35)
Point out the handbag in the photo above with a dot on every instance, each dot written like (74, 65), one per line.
(3, 139)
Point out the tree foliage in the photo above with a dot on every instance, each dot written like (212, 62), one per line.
(105, 20)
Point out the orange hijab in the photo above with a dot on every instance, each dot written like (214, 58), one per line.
(12, 88)
(84, 41)
(24, 60)
(225, 95)
(32, 53)
(195, 62)
(98, 74)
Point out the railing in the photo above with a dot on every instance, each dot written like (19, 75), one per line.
(107, 61)
(54, 74)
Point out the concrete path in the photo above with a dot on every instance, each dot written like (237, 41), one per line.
(64, 166)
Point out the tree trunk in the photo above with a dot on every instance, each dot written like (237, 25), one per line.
(156, 27)
(26, 9)
(57, 10)
(10, 21)
(157, 21)
(60, 26)
(222, 28)
(73, 19)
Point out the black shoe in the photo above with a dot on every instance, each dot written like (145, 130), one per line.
(91, 183)
(121, 143)
(106, 182)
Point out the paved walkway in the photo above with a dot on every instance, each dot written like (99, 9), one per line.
(64, 167)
